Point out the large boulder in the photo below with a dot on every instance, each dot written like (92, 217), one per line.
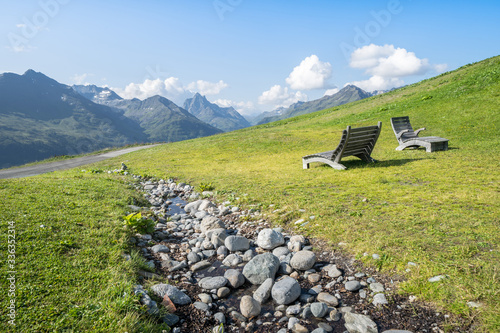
(269, 239)
(285, 291)
(261, 267)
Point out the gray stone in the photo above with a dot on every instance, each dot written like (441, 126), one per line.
(211, 222)
(160, 248)
(379, 299)
(303, 260)
(285, 291)
(177, 296)
(238, 316)
(285, 269)
(269, 239)
(397, 331)
(357, 323)
(319, 309)
(223, 292)
(263, 293)
(326, 327)
(220, 318)
(261, 267)
(205, 298)
(292, 322)
(333, 271)
(437, 278)
(213, 283)
(235, 278)
(298, 328)
(281, 251)
(328, 299)
(293, 310)
(352, 285)
(171, 319)
(306, 313)
(201, 306)
(377, 287)
(218, 237)
(237, 243)
(248, 255)
(249, 307)
(232, 260)
(193, 257)
(319, 330)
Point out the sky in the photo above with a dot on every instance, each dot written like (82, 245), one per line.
(253, 55)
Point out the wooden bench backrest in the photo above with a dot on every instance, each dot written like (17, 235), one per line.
(400, 124)
(358, 141)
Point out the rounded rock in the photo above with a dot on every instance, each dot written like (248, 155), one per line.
(235, 278)
(269, 239)
(237, 243)
(285, 291)
(303, 260)
(319, 309)
(249, 307)
(352, 285)
(261, 267)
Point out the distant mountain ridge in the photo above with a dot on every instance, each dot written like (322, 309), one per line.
(40, 118)
(163, 120)
(97, 94)
(346, 95)
(224, 118)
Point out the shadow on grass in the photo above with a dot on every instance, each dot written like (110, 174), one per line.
(357, 164)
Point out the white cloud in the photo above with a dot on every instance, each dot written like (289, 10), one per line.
(80, 79)
(171, 88)
(279, 96)
(206, 87)
(244, 108)
(387, 65)
(310, 74)
(377, 82)
(332, 91)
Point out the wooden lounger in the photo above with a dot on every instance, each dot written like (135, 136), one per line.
(357, 142)
(408, 138)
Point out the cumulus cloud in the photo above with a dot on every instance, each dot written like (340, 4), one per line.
(171, 88)
(388, 65)
(330, 92)
(207, 88)
(310, 74)
(279, 96)
(244, 108)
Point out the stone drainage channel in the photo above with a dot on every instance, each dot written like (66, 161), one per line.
(249, 277)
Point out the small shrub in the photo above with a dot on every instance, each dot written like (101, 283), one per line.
(206, 187)
(138, 223)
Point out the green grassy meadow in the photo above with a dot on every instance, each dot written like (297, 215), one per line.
(439, 210)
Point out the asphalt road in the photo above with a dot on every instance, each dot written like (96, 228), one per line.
(62, 165)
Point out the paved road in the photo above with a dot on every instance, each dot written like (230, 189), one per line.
(66, 164)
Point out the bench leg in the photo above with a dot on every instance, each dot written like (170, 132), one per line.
(305, 165)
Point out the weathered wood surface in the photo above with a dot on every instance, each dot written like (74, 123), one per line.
(357, 142)
(408, 138)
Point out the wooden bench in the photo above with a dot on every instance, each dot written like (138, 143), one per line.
(357, 142)
(408, 138)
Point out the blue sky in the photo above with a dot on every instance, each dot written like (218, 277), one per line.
(254, 55)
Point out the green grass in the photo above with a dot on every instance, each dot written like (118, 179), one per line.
(440, 210)
(71, 276)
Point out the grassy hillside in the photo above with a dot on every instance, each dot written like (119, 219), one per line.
(440, 210)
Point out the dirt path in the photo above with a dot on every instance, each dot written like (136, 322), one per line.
(66, 164)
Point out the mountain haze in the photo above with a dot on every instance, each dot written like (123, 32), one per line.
(225, 119)
(40, 118)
